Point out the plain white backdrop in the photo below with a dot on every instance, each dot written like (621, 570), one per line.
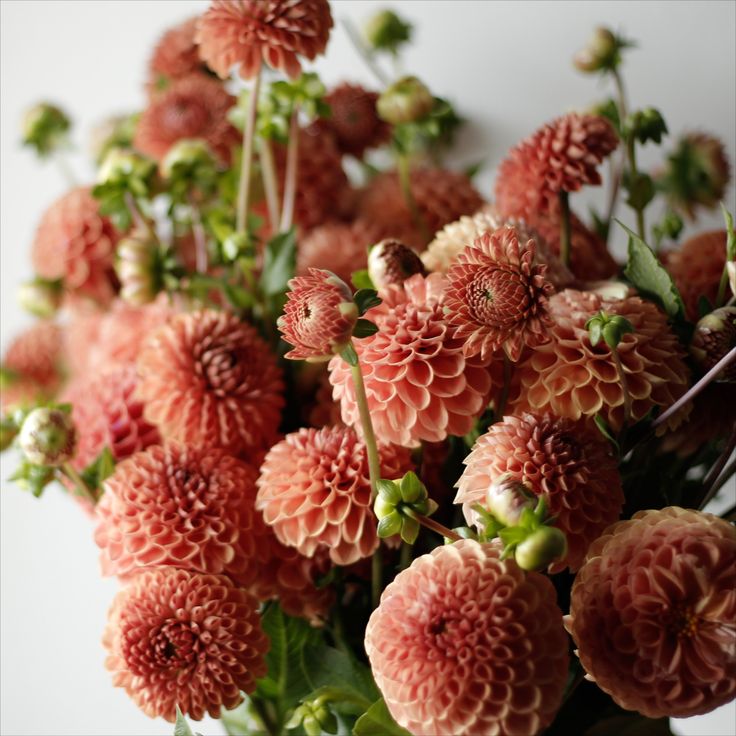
(506, 66)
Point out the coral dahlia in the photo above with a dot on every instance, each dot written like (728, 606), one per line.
(570, 378)
(207, 377)
(245, 33)
(419, 384)
(176, 55)
(176, 638)
(496, 297)
(653, 612)
(36, 354)
(464, 642)
(75, 243)
(564, 461)
(315, 492)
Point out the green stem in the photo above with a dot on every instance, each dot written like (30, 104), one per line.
(617, 170)
(404, 171)
(631, 150)
(270, 183)
(82, 488)
(722, 287)
(260, 708)
(200, 239)
(247, 157)
(405, 556)
(140, 220)
(66, 169)
(435, 526)
(565, 227)
(292, 166)
(624, 386)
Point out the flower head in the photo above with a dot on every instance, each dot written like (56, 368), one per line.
(497, 297)
(315, 492)
(565, 462)
(319, 316)
(571, 378)
(419, 384)
(177, 638)
(246, 33)
(464, 642)
(653, 612)
(392, 262)
(75, 243)
(36, 354)
(207, 377)
(176, 55)
(191, 107)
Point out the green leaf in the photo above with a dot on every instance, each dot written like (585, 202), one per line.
(377, 721)
(412, 488)
(181, 728)
(364, 328)
(278, 263)
(730, 234)
(605, 430)
(349, 355)
(362, 279)
(630, 724)
(366, 299)
(648, 275)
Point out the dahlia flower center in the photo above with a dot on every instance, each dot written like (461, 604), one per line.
(313, 317)
(174, 645)
(185, 116)
(447, 633)
(683, 622)
(224, 369)
(190, 491)
(497, 297)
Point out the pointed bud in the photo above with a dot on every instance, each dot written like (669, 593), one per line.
(507, 498)
(541, 548)
(391, 262)
(48, 437)
(714, 336)
(40, 297)
(405, 101)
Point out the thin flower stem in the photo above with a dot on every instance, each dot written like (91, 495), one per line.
(714, 481)
(617, 169)
(631, 150)
(140, 220)
(722, 287)
(82, 488)
(365, 53)
(292, 165)
(405, 556)
(624, 385)
(565, 227)
(402, 164)
(200, 238)
(247, 158)
(270, 183)
(435, 526)
(66, 170)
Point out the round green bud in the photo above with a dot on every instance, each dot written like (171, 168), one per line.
(541, 548)
(39, 297)
(386, 30)
(405, 101)
(44, 127)
(48, 437)
(383, 507)
(121, 165)
(137, 267)
(601, 52)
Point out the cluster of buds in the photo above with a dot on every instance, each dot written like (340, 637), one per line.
(398, 503)
(314, 716)
(611, 329)
(714, 336)
(391, 262)
(45, 127)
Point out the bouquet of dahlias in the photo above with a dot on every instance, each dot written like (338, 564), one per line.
(366, 452)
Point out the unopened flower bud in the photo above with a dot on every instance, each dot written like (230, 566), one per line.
(314, 717)
(541, 548)
(116, 131)
(601, 52)
(507, 498)
(189, 159)
(41, 298)
(137, 265)
(391, 262)
(48, 437)
(714, 336)
(405, 101)
(44, 127)
(386, 31)
(122, 166)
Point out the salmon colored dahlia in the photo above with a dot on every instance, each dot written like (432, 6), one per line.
(315, 492)
(419, 384)
(36, 354)
(176, 55)
(496, 297)
(179, 638)
(568, 464)
(562, 156)
(464, 642)
(207, 377)
(570, 378)
(245, 33)
(696, 268)
(441, 196)
(75, 243)
(192, 107)
(653, 613)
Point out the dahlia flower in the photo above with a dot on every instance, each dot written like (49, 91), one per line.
(496, 297)
(464, 642)
(696, 268)
(419, 384)
(570, 378)
(75, 243)
(391, 262)
(315, 492)
(176, 638)
(565, 462)
(653, 612)
(441, 196)
(36, 354)
(319, 316)
(176, 55)
(562, 156)
(207, 377)
(245, 33)
(191, 107)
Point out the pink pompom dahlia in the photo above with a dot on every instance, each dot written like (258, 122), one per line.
(36, 354)
(314, 490)
(207, 377)
(496, 297)
(179, 638)
(419, 384)
(319, 316)
(245, 33)
(565, 462)
(75, 243)
(464, 642)
(653, 613)
(570, 378)
(176, 55)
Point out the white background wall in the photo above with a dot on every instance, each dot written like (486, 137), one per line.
(505, 65)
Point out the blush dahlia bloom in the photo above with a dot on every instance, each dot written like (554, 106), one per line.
(496, 297)
(562, 156)
(653, 612)
(319, 316)
(314, 491)
(464, 642)
(179, 638)
(245, 33)
(192, 107)
(176, 55)
(419, 384)
(207, 377)
(570, 378)
(75, 243)
(36, 354)
(571, 466)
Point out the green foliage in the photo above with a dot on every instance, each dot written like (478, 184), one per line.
(362, 280)
(366, 299)
(101, 468)
(364, 328)
(645, 125)
(33, 478)
(437, 129)
(279, 263)
(377, 721)
(611, 329)
(386, 31)
(181, 727)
